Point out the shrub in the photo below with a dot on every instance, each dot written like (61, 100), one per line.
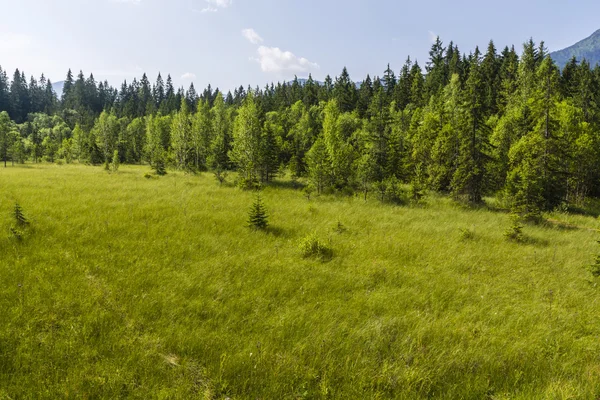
(257, 217)
(515, 232)
(340, 228)
(308, 191)
(19, 216)
(595, 267)
(21, 223)
(312, 246)
(159, 167)
(220, 175)
(466, 234)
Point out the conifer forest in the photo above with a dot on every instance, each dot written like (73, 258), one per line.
(467, 125)
(430, 232)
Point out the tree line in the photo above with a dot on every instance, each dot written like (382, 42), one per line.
(466, 125)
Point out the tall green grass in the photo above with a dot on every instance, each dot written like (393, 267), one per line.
(127, 287)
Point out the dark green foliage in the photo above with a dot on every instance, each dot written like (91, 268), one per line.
(21, 223)
(257, 216)
(595, 267)
(159, 168)
(20, 220)
(220, 175)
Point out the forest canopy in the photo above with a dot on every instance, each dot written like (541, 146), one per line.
(469, 125)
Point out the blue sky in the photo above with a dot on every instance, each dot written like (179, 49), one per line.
(233, 42)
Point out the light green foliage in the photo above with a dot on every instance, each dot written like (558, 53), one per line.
(312, 246)
(135, 287)
(181, 138)
(106, 133)
(202, 135)
(515, 231)
(221, 135)
(157, 144)
(116, 162)
(6, 137)
(319, 166)
(246, 149)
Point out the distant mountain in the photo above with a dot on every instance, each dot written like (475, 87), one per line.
(588, 49)
(58, 88)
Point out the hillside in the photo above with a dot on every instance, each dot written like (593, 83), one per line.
(127, 287)
(588, 49)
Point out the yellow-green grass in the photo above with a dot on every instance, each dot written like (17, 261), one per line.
(127, 287)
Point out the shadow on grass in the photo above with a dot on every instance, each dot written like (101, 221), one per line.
(286, 184)
(279, 232)
(561, 226)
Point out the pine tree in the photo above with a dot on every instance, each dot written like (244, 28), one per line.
(311, 92)
(67, 89)
(469, 177)
(344, 91)
(269, 157)
(365, 93)
(257, 217)
(158, 91)
(417, 85)
(437, 70)
(4, 92)
(19, 216)
(19, 96)
(403, 87)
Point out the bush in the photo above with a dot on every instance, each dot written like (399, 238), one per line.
(312, 246)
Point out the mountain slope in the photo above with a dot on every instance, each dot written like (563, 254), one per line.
(588, 49)
(58, 88)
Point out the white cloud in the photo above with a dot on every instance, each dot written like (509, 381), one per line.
(274, 60)
(252, 36)
(432, 36)
(188, 75)
(214, 5)
(14, 41)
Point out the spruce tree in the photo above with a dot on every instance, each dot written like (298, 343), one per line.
(257, 217)
(19, 216)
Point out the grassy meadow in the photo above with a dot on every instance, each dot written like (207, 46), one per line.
(127, 287)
